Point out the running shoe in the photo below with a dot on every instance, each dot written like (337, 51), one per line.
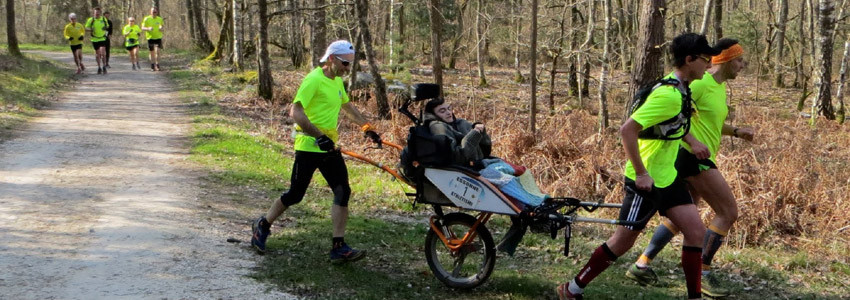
(344, 253)
(99, 70)
(564, 293)
(157, 67)
(104, 70)
(82, 67)
(79, 71)
(643, 276)
(713, 287)
(153, 68)
(134, 67)
(261, 228)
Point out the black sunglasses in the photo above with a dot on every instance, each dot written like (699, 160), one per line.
(345, 63)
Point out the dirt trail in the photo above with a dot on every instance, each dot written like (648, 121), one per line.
(97, 200)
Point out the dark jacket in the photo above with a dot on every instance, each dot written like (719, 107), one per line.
(467, 145)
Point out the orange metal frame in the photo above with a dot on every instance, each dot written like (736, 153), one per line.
(380, 165)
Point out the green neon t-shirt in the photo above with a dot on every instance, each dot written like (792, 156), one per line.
(711, 112)
(322, 99)
(132, 35)
(73, 33)
(154, 23)
(98, 28)
(658, 156)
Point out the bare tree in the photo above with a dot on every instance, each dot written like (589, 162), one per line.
(650, 47)
(480, 37)
(603, 74)
(318, 28)
(823, 50)
(517, 19)
(265, 87)
(532, 119)
(225, 34)
(11, 34)
(362, 7)
(436, 19)
(842, 83)
(200, 36)
(718, 19)
(556, 55)
(583, 56)
(459, 33)
(781, 18)
(237, 35)
(706, 16)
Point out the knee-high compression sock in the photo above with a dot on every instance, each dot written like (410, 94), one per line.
(691, 266)
(714, 238)
(601, 259)
(660, 238)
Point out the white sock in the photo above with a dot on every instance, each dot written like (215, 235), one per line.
(574, 289)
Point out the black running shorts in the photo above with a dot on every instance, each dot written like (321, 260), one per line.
(76, 47)
(152, 43)
(688, 165)
(97, 45)
(640, 205)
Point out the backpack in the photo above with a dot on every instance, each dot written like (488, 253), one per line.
(667, 129)
(424, 149)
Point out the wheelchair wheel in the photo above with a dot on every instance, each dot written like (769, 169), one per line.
(467, 267)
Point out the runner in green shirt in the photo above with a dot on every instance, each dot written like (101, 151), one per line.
(131, 33)
(74, 33)
(152, 25)
(98, 26)
(700, 172)
(315, 110)
(651, 182)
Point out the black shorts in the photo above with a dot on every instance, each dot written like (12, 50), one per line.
(688, 165)
(130, 48)
(97, 45)
(640, 205)
(156, 42)
(76, 47)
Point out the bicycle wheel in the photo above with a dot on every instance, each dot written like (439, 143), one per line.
(467, 267)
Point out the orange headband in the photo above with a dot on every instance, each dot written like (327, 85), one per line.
(728, 54)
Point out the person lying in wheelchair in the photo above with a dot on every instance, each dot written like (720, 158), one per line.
(470, 142)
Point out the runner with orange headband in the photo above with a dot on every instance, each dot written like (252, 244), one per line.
(700, 172)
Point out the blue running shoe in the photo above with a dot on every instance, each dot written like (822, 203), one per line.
(261, 228)
(344, 253)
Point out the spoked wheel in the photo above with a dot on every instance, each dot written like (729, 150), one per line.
(471, 264)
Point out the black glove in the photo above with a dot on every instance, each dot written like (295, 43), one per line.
(80, 38)
(70, 38)
(325, 143)
(373, 135)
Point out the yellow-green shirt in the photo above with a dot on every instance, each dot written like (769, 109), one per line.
(322, 99)
(98, 28)
(658, 156)
(131, 33)
(74, 33)
(154, 23)
(710, 103)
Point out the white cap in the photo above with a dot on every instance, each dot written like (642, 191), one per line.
(338, 47)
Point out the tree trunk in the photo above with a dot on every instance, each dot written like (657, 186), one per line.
(573, 60)
(559, 50)
(296, 39)
(318, 28)
(841, 83)
(826, 25)
(225, 34)
(459, 32)
(189, 17)
(237, 35)
(782, 17)
(481, 37)
(362, 7)
(603, 74)
(517, 18)
(436, 18)
(401, 39)
(650, 46)
(264, 73)
(584, 54)
(800, 78)
(706, 16)
(718, 20)
(11, 34)
(202, 38)
(532, 119)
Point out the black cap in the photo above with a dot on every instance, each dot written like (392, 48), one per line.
(692, 44)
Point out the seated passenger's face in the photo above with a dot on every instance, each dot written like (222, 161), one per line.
(444, 112)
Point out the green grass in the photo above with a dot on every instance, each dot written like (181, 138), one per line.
(26, 85)
(384, 223)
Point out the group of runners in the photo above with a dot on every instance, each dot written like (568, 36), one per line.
(100, 29)
(667, 174)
